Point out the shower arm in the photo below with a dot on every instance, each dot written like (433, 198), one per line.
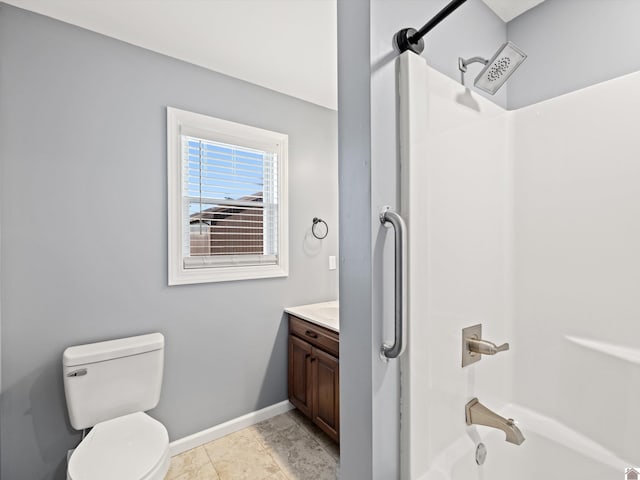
(463, 63)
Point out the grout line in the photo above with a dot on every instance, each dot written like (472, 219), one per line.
(271, 453)
(313, 434)
(268, 452)
(325, 450)
(214, 468)
(184, 454)
(209, 457)
(256, 438)
(213, 465)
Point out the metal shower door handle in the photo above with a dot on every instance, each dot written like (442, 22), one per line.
(400, 302)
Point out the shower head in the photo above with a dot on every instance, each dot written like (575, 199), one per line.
(497, 70)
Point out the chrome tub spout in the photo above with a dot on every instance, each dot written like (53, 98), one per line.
(478, 414)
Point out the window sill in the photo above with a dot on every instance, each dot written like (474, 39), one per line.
(190, 276)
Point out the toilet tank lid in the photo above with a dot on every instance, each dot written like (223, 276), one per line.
(101, 351)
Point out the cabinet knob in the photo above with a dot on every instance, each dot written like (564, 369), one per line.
(311, 334)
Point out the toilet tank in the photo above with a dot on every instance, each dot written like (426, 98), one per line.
(109, 379)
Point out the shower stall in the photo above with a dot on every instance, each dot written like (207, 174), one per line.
(526, 222)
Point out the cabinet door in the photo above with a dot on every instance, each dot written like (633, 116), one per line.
(300, 376)
(326, 401)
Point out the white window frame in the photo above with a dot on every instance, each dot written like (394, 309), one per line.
(182, 122)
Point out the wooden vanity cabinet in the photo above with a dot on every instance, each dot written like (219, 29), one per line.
(314, 375)
(300, 376)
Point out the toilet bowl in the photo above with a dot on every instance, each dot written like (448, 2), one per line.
(108, 386)
(132, 447)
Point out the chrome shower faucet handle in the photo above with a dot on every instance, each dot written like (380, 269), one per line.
(473, 346)
(485, 347)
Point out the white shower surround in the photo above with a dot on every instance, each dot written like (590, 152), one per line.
(528, 222)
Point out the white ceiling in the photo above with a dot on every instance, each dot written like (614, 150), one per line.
(507, 10)
(286, 45)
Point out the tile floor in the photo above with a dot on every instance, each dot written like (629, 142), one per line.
(286, 447)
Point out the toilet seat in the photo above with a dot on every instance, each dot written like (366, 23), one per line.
(131, 447)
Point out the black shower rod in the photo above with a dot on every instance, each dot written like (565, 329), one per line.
(411, 39)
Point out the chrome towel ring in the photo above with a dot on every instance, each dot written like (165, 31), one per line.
(318, 230)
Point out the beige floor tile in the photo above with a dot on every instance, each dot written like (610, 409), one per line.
(240, 456)
(285, 447)
(300, 456)
(238, 469)
(331, 447)
(187, 463)
(278, 476)
(304, 422)
(231, 444)
(323, 439)
(301, 419)
(204, 472)
(275, 424)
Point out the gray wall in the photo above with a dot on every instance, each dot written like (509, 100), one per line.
(368, 180)
(354, 120)
(572, 44)
(84, 237)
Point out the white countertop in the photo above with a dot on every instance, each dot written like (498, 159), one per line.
(326, 314)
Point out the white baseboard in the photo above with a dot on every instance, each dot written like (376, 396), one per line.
(200, 438)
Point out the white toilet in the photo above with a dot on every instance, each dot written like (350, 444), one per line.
(109, 385)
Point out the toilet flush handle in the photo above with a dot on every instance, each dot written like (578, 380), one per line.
(77, 373)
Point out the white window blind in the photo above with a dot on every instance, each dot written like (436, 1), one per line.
(227, 200)
(230, 204)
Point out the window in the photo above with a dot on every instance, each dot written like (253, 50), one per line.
(227, 200)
